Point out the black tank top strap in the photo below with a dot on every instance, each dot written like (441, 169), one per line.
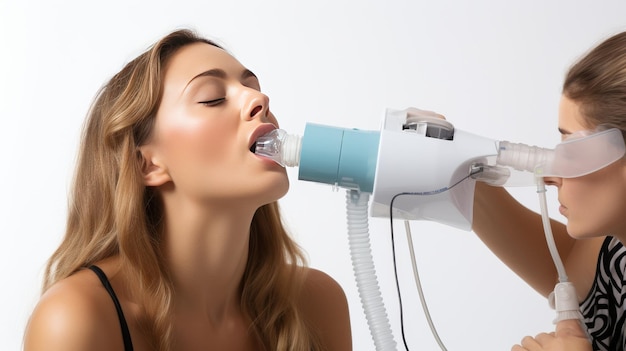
(128, 345)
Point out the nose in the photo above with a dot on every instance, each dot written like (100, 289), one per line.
(256, 105)
(556, 181)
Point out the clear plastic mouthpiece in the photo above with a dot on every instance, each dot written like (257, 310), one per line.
(281, 147)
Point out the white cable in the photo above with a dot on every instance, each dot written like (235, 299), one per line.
(547, 229)
(418, 285)
(563, 299)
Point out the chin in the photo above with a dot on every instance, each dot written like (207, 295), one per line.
(282, 189)
(276, 190)
(580, 232)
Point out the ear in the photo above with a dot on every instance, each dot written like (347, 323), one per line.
(154, 172)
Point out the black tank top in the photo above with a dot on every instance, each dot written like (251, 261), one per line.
(128, 345)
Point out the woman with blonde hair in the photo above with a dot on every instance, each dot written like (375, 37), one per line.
(174, 239)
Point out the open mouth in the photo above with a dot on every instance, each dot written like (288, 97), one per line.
(253, 147)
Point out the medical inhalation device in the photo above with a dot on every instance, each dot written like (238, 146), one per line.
(417, 153)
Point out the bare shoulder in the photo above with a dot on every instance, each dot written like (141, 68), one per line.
(323, 285)
(325, 306)
(76, 313)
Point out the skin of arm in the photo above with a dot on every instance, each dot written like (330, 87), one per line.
(515, 235)
(324, 305)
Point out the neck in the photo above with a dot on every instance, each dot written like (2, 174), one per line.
(206, 249)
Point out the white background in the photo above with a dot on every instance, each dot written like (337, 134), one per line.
(494, 68)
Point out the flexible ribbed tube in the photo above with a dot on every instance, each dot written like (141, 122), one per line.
(365, 272)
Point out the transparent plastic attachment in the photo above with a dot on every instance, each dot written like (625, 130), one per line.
(578, 155)
(281, 147)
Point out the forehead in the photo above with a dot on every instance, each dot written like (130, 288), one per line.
(196, 58)
(571, 118)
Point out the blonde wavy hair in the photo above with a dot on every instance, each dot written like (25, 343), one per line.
(111, 212)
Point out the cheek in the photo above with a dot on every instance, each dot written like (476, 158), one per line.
(198, 138)
(194, 143)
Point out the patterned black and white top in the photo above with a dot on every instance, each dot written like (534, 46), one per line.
(603, 309)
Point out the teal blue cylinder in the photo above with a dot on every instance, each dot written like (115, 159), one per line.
(339, 156)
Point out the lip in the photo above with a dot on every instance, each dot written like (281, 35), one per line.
(260, 131)
(563, 210)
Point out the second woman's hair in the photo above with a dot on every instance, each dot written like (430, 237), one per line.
(597, 82)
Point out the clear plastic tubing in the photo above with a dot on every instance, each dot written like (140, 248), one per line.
(545, 220)
(524, 157)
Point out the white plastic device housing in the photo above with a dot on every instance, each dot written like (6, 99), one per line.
(411, 161)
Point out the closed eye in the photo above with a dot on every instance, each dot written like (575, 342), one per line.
(214, 102)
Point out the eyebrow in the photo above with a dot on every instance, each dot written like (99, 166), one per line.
(220, 73)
